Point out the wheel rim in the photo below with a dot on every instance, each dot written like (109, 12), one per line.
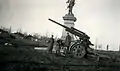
(79, 51)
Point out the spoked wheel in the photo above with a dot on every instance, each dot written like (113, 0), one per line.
(78, 51)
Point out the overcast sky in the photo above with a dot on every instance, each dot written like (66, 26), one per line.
(100, 19)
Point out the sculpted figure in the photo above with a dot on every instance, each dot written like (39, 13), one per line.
(70, 5)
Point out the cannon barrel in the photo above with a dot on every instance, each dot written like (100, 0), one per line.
(78, 30)
(72, 30)
(82, 33)
(59, 24)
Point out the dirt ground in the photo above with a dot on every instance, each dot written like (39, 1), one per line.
(21, 59)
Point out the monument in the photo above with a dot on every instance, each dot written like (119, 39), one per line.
(69, 18)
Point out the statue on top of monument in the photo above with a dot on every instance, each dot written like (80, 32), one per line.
(70, 5)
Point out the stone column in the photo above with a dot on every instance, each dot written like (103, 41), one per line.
(69, 20)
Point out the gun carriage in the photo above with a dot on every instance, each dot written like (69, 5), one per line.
(80, 47)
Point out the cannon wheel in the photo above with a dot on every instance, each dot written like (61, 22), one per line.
(78, 50)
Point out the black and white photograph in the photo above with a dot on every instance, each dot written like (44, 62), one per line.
(59, 35)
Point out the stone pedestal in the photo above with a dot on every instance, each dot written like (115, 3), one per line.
(69, 20)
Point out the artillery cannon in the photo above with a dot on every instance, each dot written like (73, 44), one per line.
(80, 47)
